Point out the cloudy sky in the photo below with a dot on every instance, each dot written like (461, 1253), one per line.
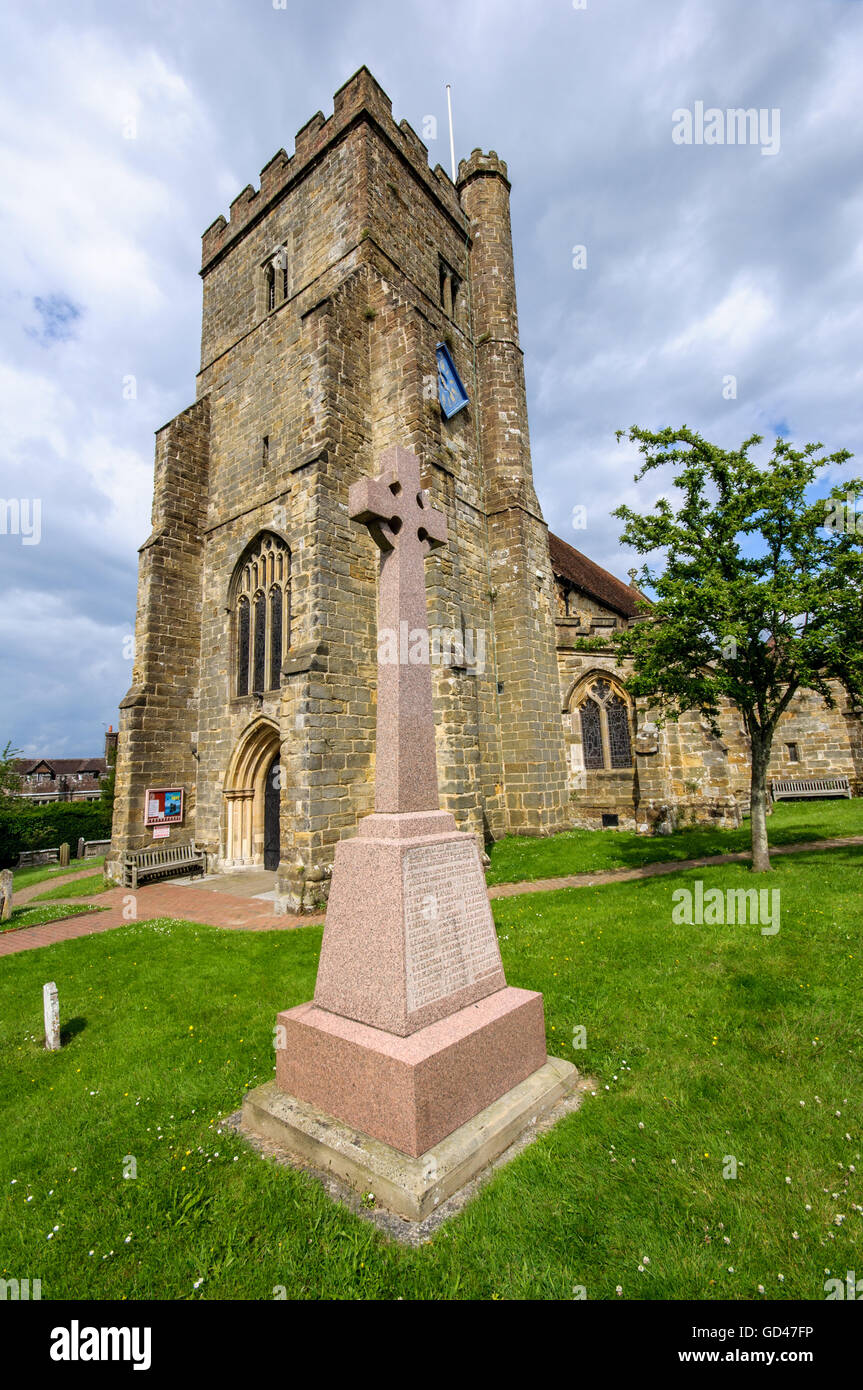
(125, 130)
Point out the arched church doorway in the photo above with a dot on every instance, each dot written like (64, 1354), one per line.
(272, 796)
(251, 822)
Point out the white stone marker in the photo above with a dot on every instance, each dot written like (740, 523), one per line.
(6, 884)
(52, 1017)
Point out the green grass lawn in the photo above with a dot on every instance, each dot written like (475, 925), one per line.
(527, 857)
(87, 887)
(34, 916)
(705, 1043)
(23, 878)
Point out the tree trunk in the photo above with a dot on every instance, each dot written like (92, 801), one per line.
(758, 801)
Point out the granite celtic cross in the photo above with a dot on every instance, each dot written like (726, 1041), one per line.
(405, 527)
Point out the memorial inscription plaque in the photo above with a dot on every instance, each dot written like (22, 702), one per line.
(450, 940)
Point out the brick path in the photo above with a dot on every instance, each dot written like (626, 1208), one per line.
(155, 900)
(218, 909)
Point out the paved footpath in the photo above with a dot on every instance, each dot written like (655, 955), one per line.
(669, 866)
(155, 900)
(219, 909)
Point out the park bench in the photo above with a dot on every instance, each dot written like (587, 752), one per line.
(810, 786)
(139, 864)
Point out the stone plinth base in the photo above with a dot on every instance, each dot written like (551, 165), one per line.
(410, 1186)
(409, 937)
(411, 1092)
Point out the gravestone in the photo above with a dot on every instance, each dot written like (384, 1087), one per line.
(64, 855)
(6, 881)
(415, 1064)
(80, 854)
(51, 1006)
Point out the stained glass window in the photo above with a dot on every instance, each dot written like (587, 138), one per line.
(618, 732)
(260, 641)
(275, 637)
(591, 735)
(605, 735)
(243, 647)
(262, 589)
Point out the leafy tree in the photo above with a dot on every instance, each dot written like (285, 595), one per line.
(760, 591)
(106, 786)
(10, 778)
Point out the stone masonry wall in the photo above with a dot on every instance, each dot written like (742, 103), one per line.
(158, 717)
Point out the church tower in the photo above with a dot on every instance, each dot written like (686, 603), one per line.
(330, 296)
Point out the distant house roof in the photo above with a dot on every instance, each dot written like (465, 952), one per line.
(62, 767)
(569, 563)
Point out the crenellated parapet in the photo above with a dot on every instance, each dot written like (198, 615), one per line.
(479, 163)
(360, 98)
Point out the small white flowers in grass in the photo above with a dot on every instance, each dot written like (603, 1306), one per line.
(802, 1102)
(619, 1290)
(641, 1124)
(674, 1162)
(128, 1238)
(788, 1180)
(794, 1235)
(848, 1137)
(198, 1282)
(808, 1206)
(727, 1240)
(781, 1278)
(50, 1235)
(30, 1198)
(645, 1259)
(641, 1269)
(731, 1269)
(761, 1288)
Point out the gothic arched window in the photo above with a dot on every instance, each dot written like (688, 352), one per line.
(262, 615)
(605, 734)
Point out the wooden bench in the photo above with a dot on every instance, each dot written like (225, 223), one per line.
(139, 864)
(810, 786)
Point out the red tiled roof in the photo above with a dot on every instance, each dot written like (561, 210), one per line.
(569, 563)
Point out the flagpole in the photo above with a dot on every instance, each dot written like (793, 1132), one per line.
(451, 140)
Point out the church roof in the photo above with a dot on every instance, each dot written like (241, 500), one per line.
(569, 563)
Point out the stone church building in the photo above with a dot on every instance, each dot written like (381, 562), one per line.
(327, 296)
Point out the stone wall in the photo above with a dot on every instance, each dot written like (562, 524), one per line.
(158, 716)
(682, 774)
